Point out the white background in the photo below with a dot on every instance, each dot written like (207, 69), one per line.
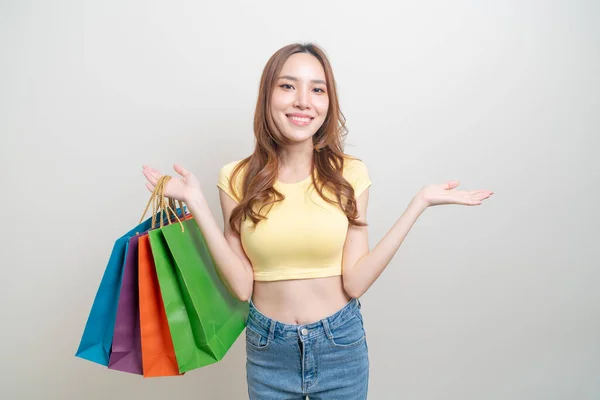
(499, 301)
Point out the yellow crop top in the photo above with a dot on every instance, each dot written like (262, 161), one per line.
(303, 235)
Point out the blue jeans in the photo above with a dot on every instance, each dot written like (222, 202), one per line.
(327, 359)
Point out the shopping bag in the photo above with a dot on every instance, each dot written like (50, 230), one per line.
(158, 354)
(96, 340)
(126, 354)
(204, 318)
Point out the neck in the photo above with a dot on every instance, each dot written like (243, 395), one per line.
(297, 156)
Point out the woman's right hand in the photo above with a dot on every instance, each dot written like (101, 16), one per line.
(183, 188)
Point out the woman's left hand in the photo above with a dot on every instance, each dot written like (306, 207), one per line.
(446, 193)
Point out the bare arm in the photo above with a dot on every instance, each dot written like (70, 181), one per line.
(233, 267)
(362, 267)
(225, 247)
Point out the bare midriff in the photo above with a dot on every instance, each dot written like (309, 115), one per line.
(300, 301)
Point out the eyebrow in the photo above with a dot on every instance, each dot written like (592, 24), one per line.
(293, 78)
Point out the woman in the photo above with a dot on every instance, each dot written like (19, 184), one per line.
(295, 240)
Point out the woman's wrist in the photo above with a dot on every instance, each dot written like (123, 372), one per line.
(418, 203)
(194, 196)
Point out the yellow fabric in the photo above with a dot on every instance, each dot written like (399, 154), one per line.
(303, 235)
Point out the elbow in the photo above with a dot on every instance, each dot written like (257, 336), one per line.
(355, 294)
(244, 296)
(352, 288)
(240, 286)
(244, 293)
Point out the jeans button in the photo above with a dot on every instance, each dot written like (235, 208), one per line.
(304, 331)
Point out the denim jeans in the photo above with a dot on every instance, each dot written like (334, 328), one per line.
(327, 359)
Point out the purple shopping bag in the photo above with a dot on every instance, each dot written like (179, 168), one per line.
(126, 352)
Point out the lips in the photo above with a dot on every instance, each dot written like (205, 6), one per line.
(299, 120)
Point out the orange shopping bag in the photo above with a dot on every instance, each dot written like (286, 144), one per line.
(158, 354)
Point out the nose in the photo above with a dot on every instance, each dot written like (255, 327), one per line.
(302, 99)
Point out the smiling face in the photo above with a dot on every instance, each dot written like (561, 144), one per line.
(300, 101)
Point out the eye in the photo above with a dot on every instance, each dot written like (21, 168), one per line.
(319, 90)
(286, 86)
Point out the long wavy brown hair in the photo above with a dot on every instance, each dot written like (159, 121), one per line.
(262, 166)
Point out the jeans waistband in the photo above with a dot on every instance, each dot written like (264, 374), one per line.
(271, 328)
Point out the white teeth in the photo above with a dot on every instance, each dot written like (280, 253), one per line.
(300, 119)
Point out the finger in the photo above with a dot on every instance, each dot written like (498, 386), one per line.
(150, 176)
(451, 185)
(464, 195)
(473, 202)
(476, 192)
(479, 194)
(476, 196)
(469, 199)
(180, 170)
(153, 171)
(150, 187)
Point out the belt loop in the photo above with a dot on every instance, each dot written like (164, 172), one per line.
(326, 327)
(272, 330)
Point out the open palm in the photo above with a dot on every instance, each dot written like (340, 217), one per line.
(446, 193)
(178, 188)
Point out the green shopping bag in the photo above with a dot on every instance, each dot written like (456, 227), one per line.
(204, 318)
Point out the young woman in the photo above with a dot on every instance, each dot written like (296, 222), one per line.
(295, 241)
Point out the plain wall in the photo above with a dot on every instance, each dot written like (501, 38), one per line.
(499, 301)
